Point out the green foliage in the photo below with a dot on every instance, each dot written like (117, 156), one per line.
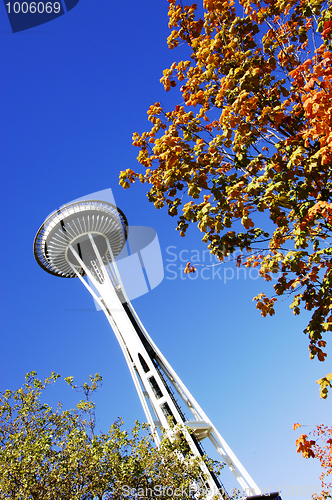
(52, 454)
(325, 384)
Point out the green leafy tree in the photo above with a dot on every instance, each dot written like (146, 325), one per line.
(52, 454)
(246, 153)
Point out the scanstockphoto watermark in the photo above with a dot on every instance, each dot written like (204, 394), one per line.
(208, 266)
(162, 491)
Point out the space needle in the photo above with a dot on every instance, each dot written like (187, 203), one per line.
(84, 238)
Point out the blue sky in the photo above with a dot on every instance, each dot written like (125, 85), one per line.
(73, 92)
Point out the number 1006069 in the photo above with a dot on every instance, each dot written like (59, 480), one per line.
(33, 7)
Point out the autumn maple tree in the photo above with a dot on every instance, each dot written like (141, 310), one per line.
(319, 447)
(246, 155)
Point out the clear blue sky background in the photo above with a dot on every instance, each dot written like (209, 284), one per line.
(73, 92)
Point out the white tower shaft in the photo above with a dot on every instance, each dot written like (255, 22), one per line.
(158, 386)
